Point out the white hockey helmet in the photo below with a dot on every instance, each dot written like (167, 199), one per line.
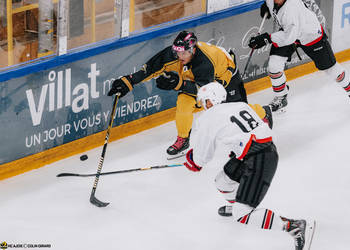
(213, 91)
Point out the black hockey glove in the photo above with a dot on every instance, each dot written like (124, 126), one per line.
(121, 85)
(189, 87)
(168, 80)
(264, 9)
(257, 42)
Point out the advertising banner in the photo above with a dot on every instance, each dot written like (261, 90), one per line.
(59, 105)
(341, 25)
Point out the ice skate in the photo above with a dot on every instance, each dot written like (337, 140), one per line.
(279, 103)
(302, 232)
(268, 117)
(225, 211)
(178, 149)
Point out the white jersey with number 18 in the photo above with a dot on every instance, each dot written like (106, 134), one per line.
(234, 124)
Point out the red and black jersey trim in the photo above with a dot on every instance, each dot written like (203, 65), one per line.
(268, 219)
(249, 143)
(316, 40)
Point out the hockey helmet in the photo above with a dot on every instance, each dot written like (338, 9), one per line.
(185, 40)
(213, 91)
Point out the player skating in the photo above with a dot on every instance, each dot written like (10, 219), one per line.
(297, 27)
(185, 66)
(246, 177)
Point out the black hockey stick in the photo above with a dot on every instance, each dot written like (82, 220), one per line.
(253, 49)
(120, 171)
(93, 198)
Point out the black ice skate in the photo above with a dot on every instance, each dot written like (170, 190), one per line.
(268, 117)
(178, 149)
(301, 231)
(279, 103)
(225, 211)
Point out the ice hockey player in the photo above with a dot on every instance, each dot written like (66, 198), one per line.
(184, 67)
(246, 177)
(297, 27)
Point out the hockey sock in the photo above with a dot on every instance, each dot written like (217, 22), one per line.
(278, 81)
(341, 75)
(259, 218)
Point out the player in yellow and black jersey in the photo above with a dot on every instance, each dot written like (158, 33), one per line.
(185, 66)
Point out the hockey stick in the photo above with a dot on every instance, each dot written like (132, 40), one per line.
(253, 49)
(120, 171)
(93, 198)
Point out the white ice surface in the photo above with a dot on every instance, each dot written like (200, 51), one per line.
(175, 209)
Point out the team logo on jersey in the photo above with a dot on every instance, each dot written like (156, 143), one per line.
(232, 92)
(185, 68)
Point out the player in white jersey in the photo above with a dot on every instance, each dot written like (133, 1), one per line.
(297, 26)
(246, 177)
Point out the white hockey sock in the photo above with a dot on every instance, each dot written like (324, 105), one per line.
(259, 218)
(278, 81)
(226, 186)
(341, 75)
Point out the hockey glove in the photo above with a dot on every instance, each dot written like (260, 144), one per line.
(168, 80)
(121, 85)
(232, 155)
(264, 9)
(189, 87)
(190, 163)
(257, 42)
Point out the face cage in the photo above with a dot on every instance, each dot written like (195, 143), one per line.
(175, 52)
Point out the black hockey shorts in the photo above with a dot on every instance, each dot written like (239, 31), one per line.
(235, 89)
(321, 53)
(285, 51)
(256, 177)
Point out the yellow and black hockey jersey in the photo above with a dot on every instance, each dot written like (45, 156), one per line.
(209, 63)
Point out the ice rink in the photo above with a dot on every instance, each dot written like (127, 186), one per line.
(175, 209)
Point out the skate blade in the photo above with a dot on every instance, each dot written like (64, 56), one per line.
(280, 111)
(310, 229)
(172, 157)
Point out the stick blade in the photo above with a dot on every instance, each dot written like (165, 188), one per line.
(97, 202)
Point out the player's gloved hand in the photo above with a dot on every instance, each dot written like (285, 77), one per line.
(257, 42)
(168, 80)
(232, 155)
(121, 85)
(190, 163)
(264, 9)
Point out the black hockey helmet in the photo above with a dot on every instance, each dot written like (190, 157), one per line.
(185, 40)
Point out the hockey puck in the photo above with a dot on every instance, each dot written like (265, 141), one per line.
(83, 157)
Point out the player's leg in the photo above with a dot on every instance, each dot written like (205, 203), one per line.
(227, 180)
(341, 76)
(277, 60)
(185, 107)
(264, 112)
(322, 55)
(255, 179)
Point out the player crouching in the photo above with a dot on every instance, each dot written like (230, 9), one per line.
(246, 177)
